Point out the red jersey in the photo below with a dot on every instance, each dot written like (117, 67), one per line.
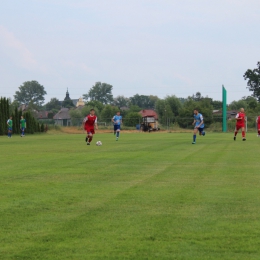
(90, 121)
(258, 120)
(241, 122)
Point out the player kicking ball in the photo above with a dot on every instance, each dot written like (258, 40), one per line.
(117, 120)
(240, 124)
(10, 127)
(90, 124)
(22, 126)
(258, 126)
(198, 125)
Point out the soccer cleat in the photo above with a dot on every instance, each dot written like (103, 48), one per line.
(117, 139)
(88, 143)
(193, 142)
(244, 139)
(203, 133)
(86, 139)
(235, 138)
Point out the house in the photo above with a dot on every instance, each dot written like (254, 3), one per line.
(149, 114)
(63, 118)
(231, 114)
(42, 115)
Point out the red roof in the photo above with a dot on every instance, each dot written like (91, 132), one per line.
(148, 113)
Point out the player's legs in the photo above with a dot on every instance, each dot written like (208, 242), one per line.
(10, 132)
(22, 131)
(195, 135)
(258, 130)
(115, 128)
(243, 134)
(201, 130)
(117, 132)
(236, 131)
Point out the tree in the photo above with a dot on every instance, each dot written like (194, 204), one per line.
(143, 101)
(31, 92)
(53, 104)
(96, 104)
(132, 119)
(100, 92)
(121, 101)
(108, 112)
(67, 103)
(253, 81)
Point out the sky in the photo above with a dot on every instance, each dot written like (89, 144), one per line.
(145, 47)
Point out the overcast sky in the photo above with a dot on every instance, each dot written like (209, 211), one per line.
(157, 47)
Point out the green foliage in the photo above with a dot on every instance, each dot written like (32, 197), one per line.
(95, 104)
(143, 101)
(134, 108)
(53, 104)
(101, 92)
(68, 103)
(121, 101)
(132, 119)
(31, 92)
(4, 115)
(42, 128)
(253, 81)
(204, 106)
(108, 112)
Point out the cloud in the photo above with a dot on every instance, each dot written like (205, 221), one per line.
(16, 50)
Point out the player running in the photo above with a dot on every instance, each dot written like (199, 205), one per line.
(10, 127)
(240, 117)
(258, 125)
(117, 120)
(89, 124)
(198, 125)
(22, 126)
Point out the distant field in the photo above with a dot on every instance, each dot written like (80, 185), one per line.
(148, 196)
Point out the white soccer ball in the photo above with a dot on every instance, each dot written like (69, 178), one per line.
(98, 143)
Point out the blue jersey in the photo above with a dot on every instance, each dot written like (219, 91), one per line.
(198, 119)
(117, 120)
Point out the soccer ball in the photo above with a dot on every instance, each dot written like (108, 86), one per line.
(98, 143)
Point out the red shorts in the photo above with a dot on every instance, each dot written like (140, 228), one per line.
(239, 126)
(90, 130)
(258, 126)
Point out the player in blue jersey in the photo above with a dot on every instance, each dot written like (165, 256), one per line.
(198, 125)
(117, 121)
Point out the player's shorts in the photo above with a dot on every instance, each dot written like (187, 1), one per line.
(23, 128)
(90, 130)
(258, 126)
(239, 127)
(200, 129)
(10, 129)
(116, 127)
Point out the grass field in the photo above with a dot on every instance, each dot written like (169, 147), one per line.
(148, 196)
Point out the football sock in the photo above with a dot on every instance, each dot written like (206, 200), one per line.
(194, 138)
(117, 134)
(258, 132)
(8, 134)
(243, 134)
(90, 139)
(235, 133)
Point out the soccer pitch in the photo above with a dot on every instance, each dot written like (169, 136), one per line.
(147, 196)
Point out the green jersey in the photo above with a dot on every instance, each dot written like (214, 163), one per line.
(23, 123)
(10, 123)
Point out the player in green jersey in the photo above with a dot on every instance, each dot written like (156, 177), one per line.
(10, 127)
(22, 126)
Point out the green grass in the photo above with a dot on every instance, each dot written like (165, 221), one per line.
(148, 196)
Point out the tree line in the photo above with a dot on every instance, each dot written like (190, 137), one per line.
(32, 125)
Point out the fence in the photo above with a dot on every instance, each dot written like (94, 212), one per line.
(213, 124)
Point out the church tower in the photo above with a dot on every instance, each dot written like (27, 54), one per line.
(67, 95)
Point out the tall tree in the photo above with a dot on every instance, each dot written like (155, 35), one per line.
(54, 103)
(101, 92)
(121, 101)
(143, 101)
(253, 81)
(31, 92)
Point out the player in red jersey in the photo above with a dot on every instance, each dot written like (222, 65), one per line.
(240, 117)
(258, 125)
(89, 124)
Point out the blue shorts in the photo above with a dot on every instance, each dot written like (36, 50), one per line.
(116, 127)
(22, 129)
(201, 129)
(10, 129)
